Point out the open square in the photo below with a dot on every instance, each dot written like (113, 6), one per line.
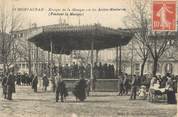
(25, 103)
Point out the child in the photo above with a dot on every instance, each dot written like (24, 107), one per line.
(142, 92)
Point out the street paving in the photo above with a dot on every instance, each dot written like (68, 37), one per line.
(26, 103)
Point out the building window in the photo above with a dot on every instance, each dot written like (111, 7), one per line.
(21, 35)
(168, 68)
(18, 65)
(23, 65)
(137, 67)
(14, 36)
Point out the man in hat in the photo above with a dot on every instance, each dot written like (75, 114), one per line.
(45, 82)
(4, 86)
(133, 87)
(61, 89)
(35, 83)
(10, 86)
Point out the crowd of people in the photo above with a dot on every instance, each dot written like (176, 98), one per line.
(148, 86)
(145, 86)
(23, 79)
(80, 91)
(78, 71)
(9, 82)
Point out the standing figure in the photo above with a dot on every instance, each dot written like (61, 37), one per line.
(171, 97)
(100, 68)
(73, 69)
(126, 84)
(10, 86)
(18, 79)
(88, 87)
(151, 89)
(35, 83)
(88, 71)
(81, 71)
(133, 88)
(53, 84)
(45, 82)
(55, 81)
(120, 85)
(61, 89)
(31, 77)
(23, 79)
(76, 71)
(4, 86)
(95, 76)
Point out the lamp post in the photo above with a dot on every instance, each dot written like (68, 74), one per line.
(117, 50)
(132, 58)
(120, 60)
(51, 61)
(91, 73)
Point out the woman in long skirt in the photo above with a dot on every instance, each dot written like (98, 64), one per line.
(171, 97)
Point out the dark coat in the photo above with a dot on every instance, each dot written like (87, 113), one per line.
(45, 81)
(10, 84)
(134, 81)
(34, 82)
(61, 88)
(171, 97)
(79, 89)
(4, 86)
(120, 82)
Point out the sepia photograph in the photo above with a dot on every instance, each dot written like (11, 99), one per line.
(88, 58)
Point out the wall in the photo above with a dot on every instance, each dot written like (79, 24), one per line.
(107, 85)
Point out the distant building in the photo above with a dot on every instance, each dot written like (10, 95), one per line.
(33, 57)
(5, 50)
(167, 63)
(30, 57)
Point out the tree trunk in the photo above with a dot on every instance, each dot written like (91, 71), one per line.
(29, 64)
(29, 59)
(117, 60)
(143, 66)
(4, 68)
(30, 67)
(155, 64)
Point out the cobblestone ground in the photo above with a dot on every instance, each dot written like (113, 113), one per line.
(25, 103)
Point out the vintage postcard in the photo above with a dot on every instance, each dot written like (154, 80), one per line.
(88, 58)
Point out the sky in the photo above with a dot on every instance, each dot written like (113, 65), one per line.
(113, 19)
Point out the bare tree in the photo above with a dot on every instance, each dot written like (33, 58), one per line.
(9, 21)
(30, 54)
(138, 23)
(148, 41)
(24, 51)
(158, 44)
